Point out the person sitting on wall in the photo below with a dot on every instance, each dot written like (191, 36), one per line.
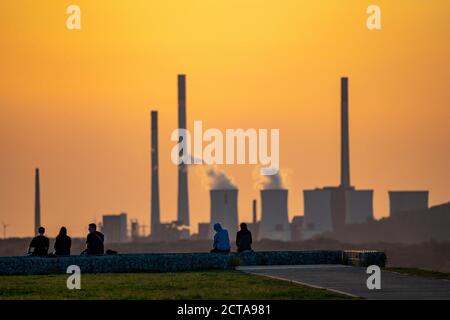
(221, 240)
(63, 243)
(39, 245)
(94, 241)
(244, 239)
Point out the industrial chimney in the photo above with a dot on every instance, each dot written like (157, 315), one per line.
(274, 215)
(155, 217)
(183, 200)
(224, 209)
(37, 203)
(345, 158)
(254, 212)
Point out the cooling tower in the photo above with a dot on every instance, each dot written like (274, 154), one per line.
(224, 210)
(407, 201)
(183, 200)
(359, 206)
(37, 203)
(318, 211)
(155, 216)
(274, 215)
(255, 219)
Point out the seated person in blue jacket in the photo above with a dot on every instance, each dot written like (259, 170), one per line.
(221, 240)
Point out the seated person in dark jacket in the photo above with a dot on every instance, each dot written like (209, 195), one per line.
(221, 241)
(63, 243)
(244, 239)
(94, 242)
(40, 244)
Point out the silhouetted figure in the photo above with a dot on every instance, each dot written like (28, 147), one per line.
(244, 239)
(63, 243)
(39, 245)
(94, 242)
(221, 240)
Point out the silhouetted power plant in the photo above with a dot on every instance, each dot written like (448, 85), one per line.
(224, 209)
(115, 228)
(326, 209)
(37, 202)
(331, 208)
(176, 229)
(274, 223)
(401, 201)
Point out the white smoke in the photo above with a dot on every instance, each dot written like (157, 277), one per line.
(270, 182)
(214, 179)
(219, 180)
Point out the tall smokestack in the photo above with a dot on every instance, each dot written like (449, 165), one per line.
(37, 203)
(155, 218)
(254, 212)
(183, 202)
(345, 159)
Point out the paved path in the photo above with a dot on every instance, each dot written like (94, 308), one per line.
(352, 281)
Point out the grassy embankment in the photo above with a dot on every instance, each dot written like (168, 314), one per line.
(183, 285)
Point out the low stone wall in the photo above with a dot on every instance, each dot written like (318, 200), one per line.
(363, 258)
(174, 262)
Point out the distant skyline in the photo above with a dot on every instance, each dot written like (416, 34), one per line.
(76, 104)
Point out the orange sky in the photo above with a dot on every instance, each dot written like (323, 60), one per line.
(76, 103)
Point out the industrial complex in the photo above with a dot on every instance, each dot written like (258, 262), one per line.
(326, 209)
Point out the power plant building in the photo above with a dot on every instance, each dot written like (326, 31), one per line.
(135, 230)
(204, 231)
(115, 228)
(274, 223)
(400, 201)
(331, 208)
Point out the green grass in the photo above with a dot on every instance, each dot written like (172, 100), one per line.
(421, 273)
(183, 285)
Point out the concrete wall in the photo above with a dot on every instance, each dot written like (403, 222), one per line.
(174, 262)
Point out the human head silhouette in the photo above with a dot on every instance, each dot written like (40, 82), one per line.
(217, 227)
(92, 227)
(63, 231)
